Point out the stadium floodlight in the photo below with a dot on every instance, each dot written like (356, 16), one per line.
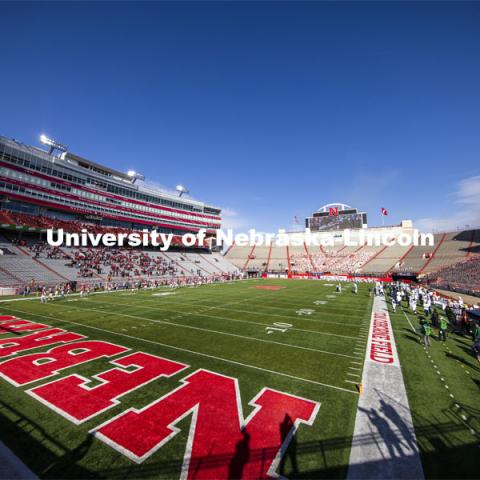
(181, 190)
(52, 144)
(135, 175)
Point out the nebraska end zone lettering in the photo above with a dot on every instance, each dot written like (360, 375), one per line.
(39, 366)
(221, 443)
(11, 346)
(14, 325)
(72, 398)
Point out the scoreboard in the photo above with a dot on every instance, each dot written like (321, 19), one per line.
(336, 217)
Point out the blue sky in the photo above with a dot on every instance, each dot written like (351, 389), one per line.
(269, 110)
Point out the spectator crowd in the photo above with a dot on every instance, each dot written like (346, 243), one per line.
(461, 277)
(331, 261)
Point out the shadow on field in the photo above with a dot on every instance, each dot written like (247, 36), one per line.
(460, 342)
(48, 458)
(438, 444)
(412, 338)
(448, 450)
(470, 365)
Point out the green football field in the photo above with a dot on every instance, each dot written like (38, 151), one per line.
(297, 337)
(443, 386)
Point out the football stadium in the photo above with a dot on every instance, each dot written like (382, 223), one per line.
(252, 362)
(240, 240)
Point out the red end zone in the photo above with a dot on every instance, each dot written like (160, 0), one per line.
(220, 437)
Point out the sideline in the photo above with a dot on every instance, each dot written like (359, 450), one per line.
(383, 409)
(106, 292)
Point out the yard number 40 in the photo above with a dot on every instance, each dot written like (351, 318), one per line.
(278, 327)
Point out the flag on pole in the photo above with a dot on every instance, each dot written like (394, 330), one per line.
(384, 212)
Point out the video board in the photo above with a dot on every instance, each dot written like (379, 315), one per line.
(342, 220)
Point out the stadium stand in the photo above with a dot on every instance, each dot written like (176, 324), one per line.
(27, 260)
(220, 262)
(239, 255)
(461, 277)
(455, 246)
(304, 260)
(200, 263)
(259, 258)
(448, 249)
(37, 263)
(348, 259)
(385, 260)
(300, 260)
(278, 259)
(25, 269)
(416, 258)
(40, 191)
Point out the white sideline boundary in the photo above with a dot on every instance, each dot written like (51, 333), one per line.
(383, 412)
(11, 467)
(106, 292)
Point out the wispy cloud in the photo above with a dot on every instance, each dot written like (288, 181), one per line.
(466, 200)
(232, 219)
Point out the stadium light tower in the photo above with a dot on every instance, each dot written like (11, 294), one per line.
(52, 144)
(135, 175)
(181, 190)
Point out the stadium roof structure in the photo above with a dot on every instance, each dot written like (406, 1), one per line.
(71, 160)
(340, 206)
(83, 162)
(47, 183)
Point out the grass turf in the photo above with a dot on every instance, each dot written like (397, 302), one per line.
(442, 384)
(221, 328)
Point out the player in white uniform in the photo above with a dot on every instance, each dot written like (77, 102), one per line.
(43, 296)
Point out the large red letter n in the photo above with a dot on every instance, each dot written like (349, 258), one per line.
(221, 443)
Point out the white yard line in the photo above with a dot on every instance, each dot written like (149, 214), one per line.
(408, 320)
(291, 317)
(120, 291)
(193, 352)
(199, 314)
(217, 332)
(26, 299)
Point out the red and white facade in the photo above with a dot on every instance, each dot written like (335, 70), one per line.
(33, 181)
